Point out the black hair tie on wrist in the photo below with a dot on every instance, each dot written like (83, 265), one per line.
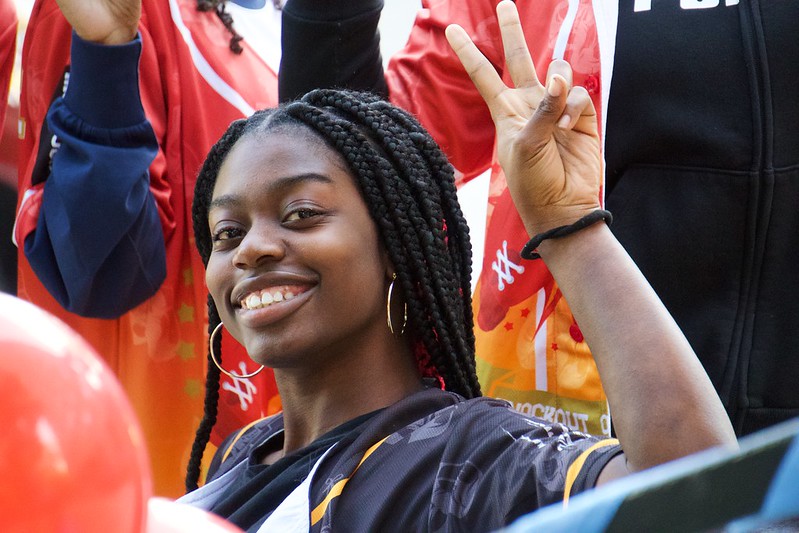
(528, 252)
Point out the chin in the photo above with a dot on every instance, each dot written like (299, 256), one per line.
(270, 357)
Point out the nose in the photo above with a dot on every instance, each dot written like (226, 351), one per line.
(261, 243)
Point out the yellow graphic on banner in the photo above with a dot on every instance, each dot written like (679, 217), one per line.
(546, 372)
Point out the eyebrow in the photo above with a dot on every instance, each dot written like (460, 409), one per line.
(278, 186)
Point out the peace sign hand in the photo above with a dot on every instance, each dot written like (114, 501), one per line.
(547, 140)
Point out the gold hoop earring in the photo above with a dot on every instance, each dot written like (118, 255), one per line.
(388, 309)
(216, 363)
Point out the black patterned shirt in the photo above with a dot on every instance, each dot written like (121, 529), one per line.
(432, 462)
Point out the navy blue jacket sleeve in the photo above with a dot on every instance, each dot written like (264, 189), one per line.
(330, 44)
(98, 246)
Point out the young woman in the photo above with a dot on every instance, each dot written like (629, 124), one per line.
(336, 253)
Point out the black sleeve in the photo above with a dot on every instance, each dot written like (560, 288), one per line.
(331, 44)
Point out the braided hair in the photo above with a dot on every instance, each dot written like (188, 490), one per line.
(218, 6)
(408, 186)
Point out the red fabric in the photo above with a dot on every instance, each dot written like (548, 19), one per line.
(8, 47)
(513, 329)
(158, 350)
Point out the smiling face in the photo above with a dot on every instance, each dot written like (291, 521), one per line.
(297, 270)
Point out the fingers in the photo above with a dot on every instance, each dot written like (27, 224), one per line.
(550, 110)
(562, 107)
(517, 56)
(578, 106)
(480, 70)
(578, 102)
(561, 68)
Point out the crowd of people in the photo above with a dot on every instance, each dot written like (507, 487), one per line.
(285, 291)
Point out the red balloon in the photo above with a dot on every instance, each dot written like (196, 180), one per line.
(72, 453)
(167, 516)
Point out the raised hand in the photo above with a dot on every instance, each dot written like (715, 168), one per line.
(547, 140)
(548, 145)
(103, 21)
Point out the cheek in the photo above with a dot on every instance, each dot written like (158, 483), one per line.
(361, 272)
(213, 280)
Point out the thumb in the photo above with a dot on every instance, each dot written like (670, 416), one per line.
(553, 103)
(541, 126)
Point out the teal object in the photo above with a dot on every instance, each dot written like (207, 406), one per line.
(737, 491)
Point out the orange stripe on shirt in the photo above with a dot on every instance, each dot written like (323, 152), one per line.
(319, 510)
(577, 466)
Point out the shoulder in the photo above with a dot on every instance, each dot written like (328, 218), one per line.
(519, 462)
(538, 453)
(239, 445)
(483, 423)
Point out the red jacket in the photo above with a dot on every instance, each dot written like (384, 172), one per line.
(8, 47)
(80, 219)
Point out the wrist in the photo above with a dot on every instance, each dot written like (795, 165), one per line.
(530, 250)
(119, 36)
(573, 245)
(538, 219)
(103, 85)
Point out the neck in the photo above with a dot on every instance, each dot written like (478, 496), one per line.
(316, 401)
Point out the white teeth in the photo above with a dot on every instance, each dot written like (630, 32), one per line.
(256, 301)
(253, 301)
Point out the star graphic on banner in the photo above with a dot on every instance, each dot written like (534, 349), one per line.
(192, 388)
(188, 277)
(186, 313)
(508, 326)
(554, 347)
(185, 350)
(525, 312)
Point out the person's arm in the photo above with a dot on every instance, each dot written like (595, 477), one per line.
(335, 43)
(663, 402)
(97, 243)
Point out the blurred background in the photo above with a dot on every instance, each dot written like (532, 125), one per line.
(395, 24)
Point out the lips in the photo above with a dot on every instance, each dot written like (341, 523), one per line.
(262, 301)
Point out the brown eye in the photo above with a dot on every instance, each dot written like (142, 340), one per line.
(226, 233)
(301, 214)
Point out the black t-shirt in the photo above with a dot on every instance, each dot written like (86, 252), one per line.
(432, 461)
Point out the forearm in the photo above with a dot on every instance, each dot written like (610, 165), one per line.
(663, 404)
(330, 44)
(98, 245)
(662, 401)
